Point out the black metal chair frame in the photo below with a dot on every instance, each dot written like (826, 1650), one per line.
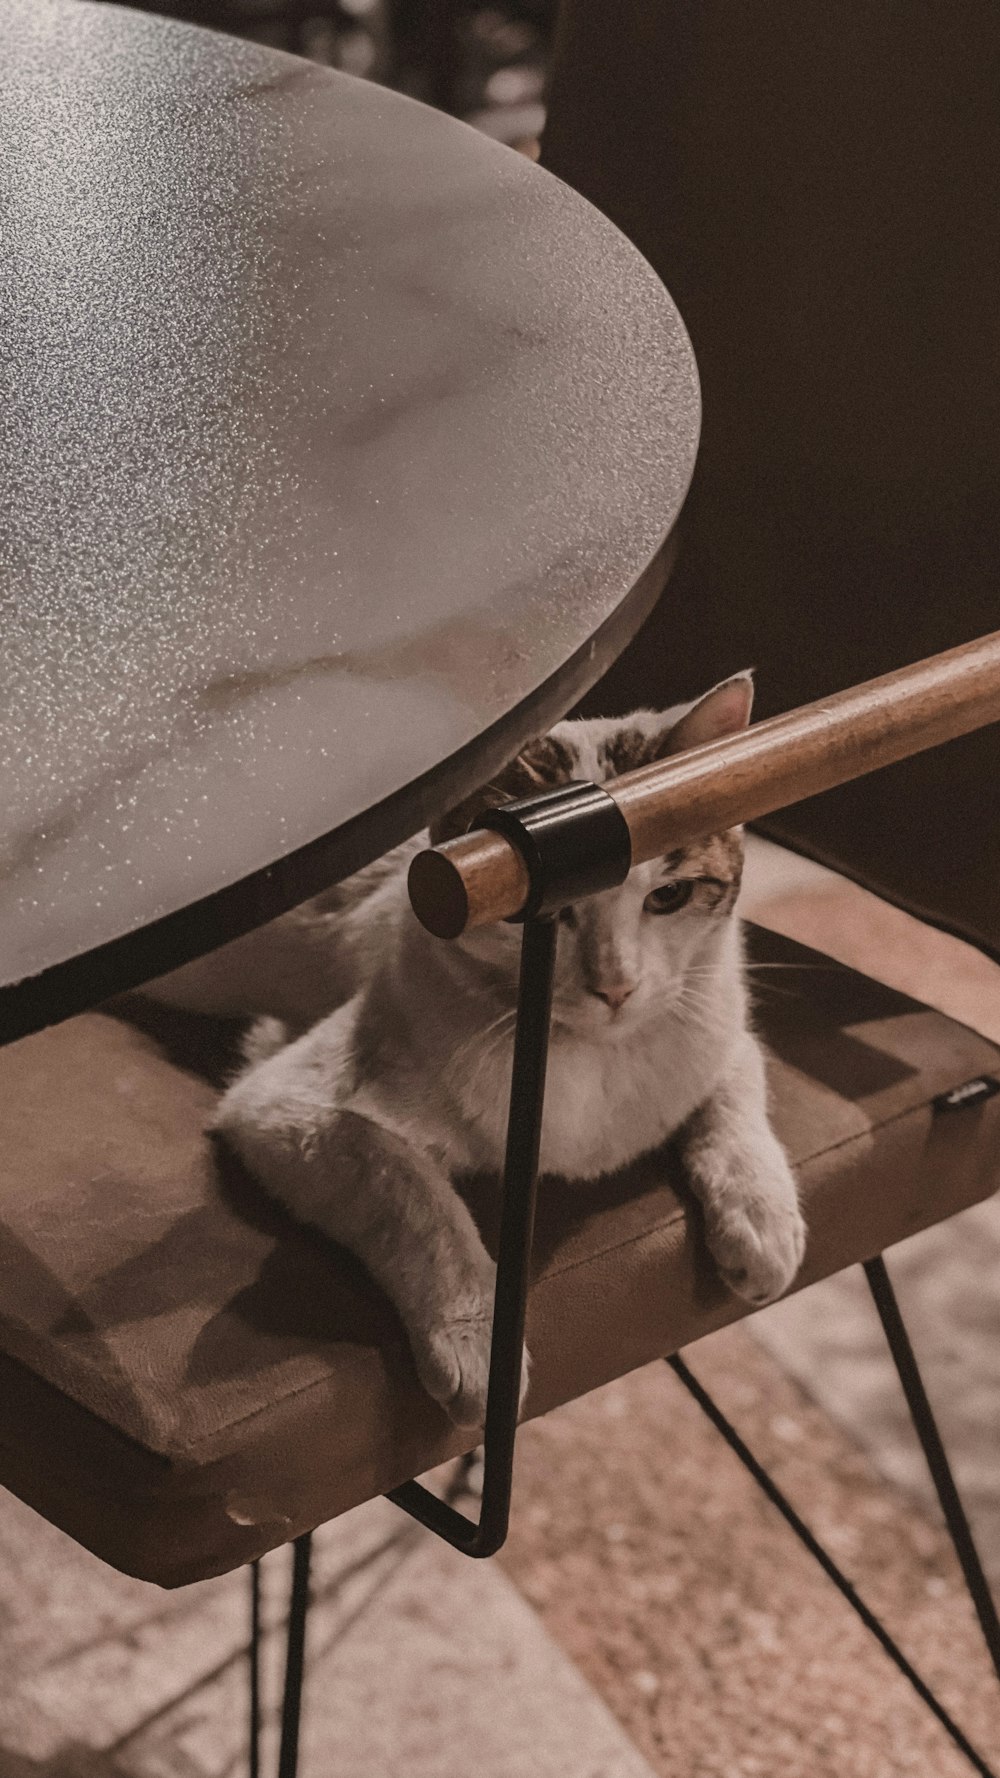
(572, 842)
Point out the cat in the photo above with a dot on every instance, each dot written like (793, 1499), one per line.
(360, 1124)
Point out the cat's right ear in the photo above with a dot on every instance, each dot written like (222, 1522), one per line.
(725, 710)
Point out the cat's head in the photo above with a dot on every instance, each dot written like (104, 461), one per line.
(632, 948)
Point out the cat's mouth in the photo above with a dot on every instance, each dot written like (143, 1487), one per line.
(593, 1017)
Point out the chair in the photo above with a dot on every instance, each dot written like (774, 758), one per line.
(190, 1380)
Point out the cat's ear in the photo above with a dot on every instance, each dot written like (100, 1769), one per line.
(541, 763)
(725, 710)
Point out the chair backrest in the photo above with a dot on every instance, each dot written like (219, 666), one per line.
(818, 183)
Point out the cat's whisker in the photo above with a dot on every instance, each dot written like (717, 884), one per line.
(509, 1013)
(490, 1041)
(705, 969)
(691, 1000)
(479, 1037)
(498, 1044)
(757, 967)
(691, 1003)
(497, 1026)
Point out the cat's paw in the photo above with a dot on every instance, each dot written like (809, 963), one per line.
(757, 1237)
(453, 1364)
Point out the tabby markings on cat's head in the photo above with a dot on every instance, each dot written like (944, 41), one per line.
(627, 950)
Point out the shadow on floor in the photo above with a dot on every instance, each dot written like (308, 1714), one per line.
(72, 1761)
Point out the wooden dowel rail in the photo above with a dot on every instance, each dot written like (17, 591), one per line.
(481, 877)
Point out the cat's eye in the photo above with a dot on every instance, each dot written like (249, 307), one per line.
(668, 898)
(567, 916)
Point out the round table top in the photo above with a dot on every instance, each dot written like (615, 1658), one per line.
(338, 444)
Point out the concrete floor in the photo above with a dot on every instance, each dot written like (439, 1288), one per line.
(420, 1662)
(652, 1558)
(650, 1614)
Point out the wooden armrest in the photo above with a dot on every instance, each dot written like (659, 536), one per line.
(481, 877)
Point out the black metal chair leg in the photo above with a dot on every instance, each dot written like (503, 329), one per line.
(516, 1227)
(925, 1425)
(845, 1587)
(574, 841)
(253, 1652)
(291, 1708)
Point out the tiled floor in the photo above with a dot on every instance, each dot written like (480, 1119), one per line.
(650, 1614)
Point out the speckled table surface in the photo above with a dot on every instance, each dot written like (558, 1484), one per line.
(339, 449)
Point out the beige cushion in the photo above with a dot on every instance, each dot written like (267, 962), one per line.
(189, 1379)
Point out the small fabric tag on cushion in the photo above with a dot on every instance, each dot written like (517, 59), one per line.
(972, 1093)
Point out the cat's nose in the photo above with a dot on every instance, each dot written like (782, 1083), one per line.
(617, 995)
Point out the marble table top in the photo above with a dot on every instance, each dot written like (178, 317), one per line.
(338, 446)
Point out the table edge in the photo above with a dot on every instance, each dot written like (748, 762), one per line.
(82, 982)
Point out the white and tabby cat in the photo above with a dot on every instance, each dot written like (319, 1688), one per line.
(360, 1125)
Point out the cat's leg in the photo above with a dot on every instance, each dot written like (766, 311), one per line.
(738, 1169)
(393, 1206)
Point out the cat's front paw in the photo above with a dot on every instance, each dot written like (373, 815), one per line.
(453, 1364)
(757, 1235)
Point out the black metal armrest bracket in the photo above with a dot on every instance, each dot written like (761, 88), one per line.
(575, 842)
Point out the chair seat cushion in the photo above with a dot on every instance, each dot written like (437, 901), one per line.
(189, 1379)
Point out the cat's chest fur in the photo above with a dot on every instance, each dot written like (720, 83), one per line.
(610, 1101)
